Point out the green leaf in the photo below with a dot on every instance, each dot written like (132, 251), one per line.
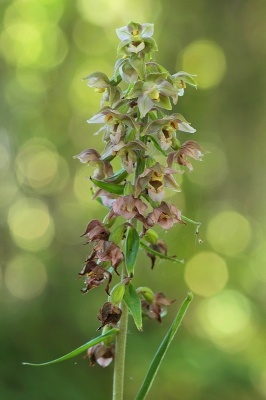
(156, 362)
(79, 350)
(156, 253)
(131, 249)
(109, 187)
(133, 304)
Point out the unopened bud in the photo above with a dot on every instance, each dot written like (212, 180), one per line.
(146, 293)
(117, 293)
(151, 236)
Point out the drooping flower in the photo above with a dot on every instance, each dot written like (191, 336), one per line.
(127, 151)
(105, 250)
(101, 84)
(128, 207)
(93, 158)
(101, 354)
(96, 231)
(156, 179)
(180, 79)
(165, 215)
(166, 127)
(109, 314)
(115, 123)
(153, 305)
(160, 247)
(96, 276)
(188, 149)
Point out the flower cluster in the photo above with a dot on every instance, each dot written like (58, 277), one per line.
(136, 123)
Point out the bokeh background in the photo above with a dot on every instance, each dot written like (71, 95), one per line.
(46, 47)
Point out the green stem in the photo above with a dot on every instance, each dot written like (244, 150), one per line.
(121, 338)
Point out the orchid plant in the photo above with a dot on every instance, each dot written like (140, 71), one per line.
(136, 122)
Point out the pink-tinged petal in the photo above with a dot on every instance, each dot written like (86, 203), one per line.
(136, 49)
(104, 362)
(140, 206)
(156, 196)
(166, 223)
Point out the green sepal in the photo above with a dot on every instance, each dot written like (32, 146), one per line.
(151, 236)
(140, 166)
(133, 304)
(109, 187)
(150, 162)
(118, 234)
(117, 293)
(79, 350)
(130, 136)
(131, 249)
(164, 103)
(156, 145)
(156, 253)
(128, 188)
(146, 293)
(139, 66)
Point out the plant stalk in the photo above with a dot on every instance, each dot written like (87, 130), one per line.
(120, 352)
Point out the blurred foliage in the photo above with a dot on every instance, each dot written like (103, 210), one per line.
(46, 47)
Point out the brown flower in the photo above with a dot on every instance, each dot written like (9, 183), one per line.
(109, 314)
(96, 231)
(128, 207)
(160, 247)
(107, 251)
(155, 309)
(165, 215)
(101, 354)
(188, 149)
(96, 275)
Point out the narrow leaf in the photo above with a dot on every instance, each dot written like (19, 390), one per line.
(133, 304)
(156, 362)
(156, 253)
(131, 249)
(79, 350)
(109, 187)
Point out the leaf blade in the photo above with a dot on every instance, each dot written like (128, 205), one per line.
(133, 304)
(156, 362)
(131, 249)
(78, 350)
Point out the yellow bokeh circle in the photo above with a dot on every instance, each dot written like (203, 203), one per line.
(229, 233)
(30, 224)
(40, 166)
(206, 274)
(206, 59)
(25, 276)
(226, 319)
